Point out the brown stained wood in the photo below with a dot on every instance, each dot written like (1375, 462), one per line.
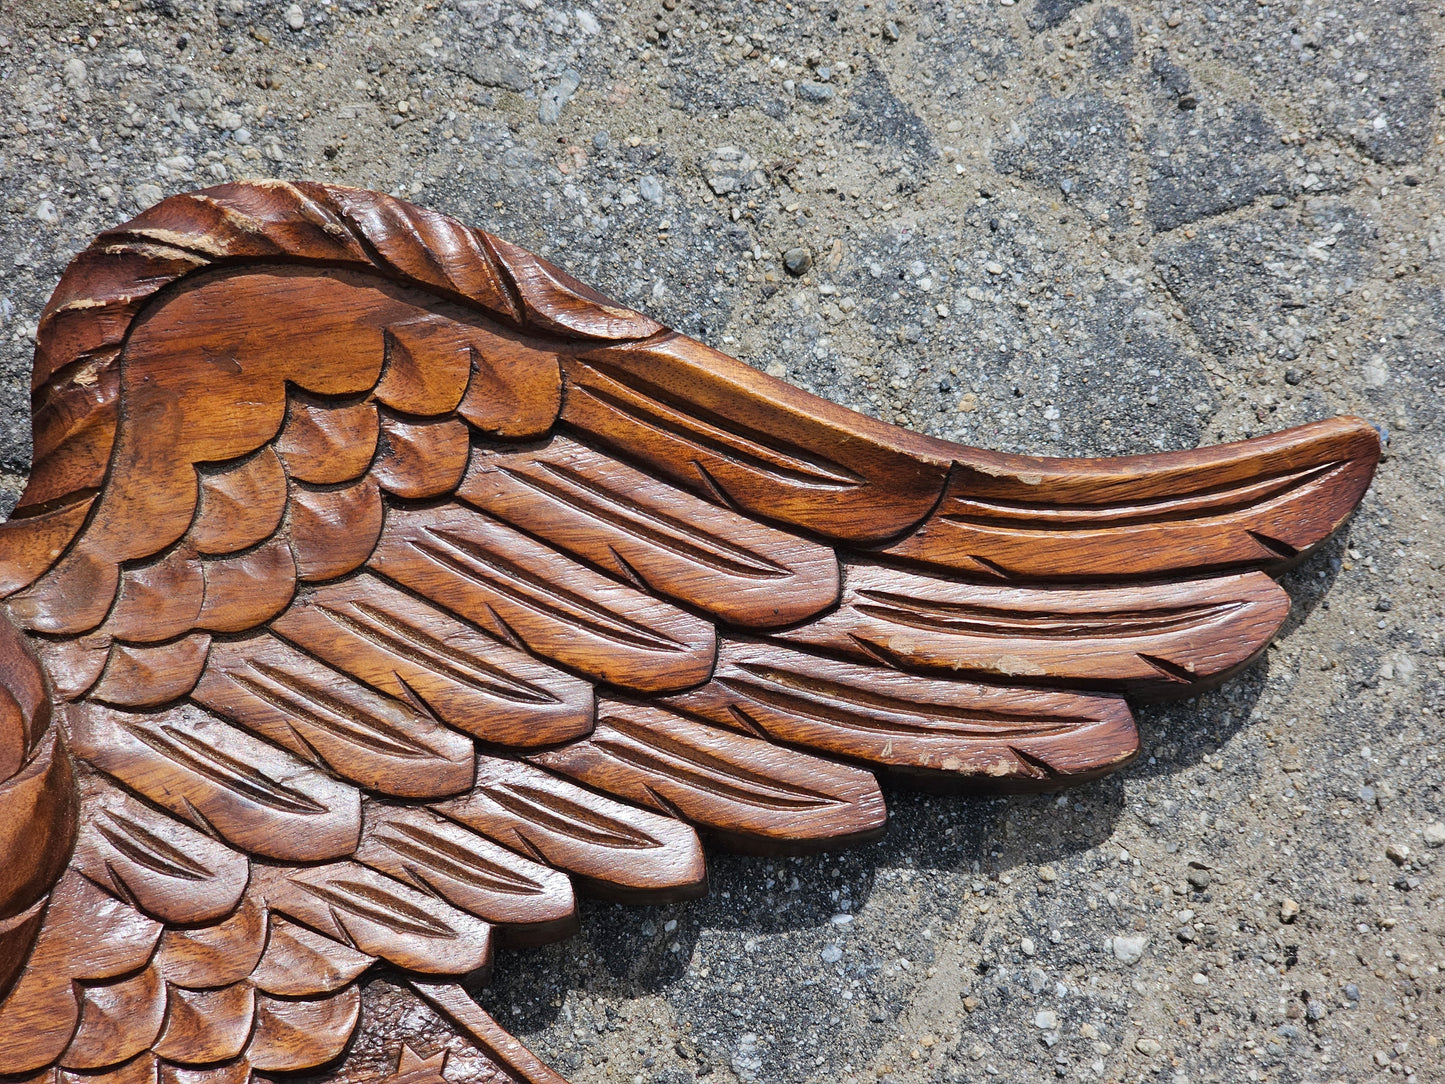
(237, 1071)
(38, 807)
(70, 599)
(986, 735)
(755, 795)
(515, 390)
(206, 957)
(74, 428)
(73, 666)
(1152, 639)
(615, 850)
(88, 936)
(301, 963)
(38, 826)
(1261, 503)
(33, 543)
(519, 589)
(159, 600)
(520, 1063)
(333, 531)
(381, 744)
(744, 439)
(240, 505)
(118, 1020)
(428, 364)
(17, 935)
(340, 505)
(295, 1035)
(325, 444)
(662, 538)
(205, 1026)
(419, 653)
(258, 797)
(142, 1069)
(530, 903)
(244, 591)
(558, 302)
(38, 1016)
(169, 870)
(422, 459)
(137, 676)
(380, 916)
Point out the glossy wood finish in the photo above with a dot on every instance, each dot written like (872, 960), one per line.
(379, 586)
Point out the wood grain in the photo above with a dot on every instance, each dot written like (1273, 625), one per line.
(1150, 639)
(378, 585)
(925, 726)
(663, 539)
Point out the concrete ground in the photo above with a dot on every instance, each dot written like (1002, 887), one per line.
(1048, 226)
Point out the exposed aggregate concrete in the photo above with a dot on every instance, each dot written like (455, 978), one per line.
(1051, 226)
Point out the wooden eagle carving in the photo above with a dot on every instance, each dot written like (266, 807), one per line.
(378, 586)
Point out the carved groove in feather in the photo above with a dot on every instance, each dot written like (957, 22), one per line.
(146, 849)
(471, 872)
(632, 525)
(523, 587)
(1204, 503)
(633, 402)
(910, 721)
(617, 850)
(255, 795)
(1091, 636)
(745, 440)
(735, 784)
(379, 916)
(168, 869)
(383, 744)
(520, 589)
(186, 751)
(413, 651)
(981, 619)
(1257, 503)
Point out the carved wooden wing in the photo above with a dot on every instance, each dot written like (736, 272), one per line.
(392, 585)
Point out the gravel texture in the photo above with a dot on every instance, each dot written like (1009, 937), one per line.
(1047, 226)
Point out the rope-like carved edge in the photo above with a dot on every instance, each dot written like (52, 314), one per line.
(75, 384)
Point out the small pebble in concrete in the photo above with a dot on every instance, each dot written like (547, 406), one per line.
(1128, 949)
(797, 261)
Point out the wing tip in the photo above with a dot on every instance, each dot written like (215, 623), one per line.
(1264, 503)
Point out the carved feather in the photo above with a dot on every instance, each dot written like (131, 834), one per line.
(379, 634)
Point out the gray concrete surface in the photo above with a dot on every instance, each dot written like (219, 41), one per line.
(1045, 226)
